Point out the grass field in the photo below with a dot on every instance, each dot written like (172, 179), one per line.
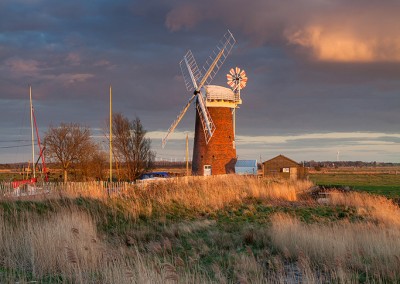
(384, 184)
(218, 230)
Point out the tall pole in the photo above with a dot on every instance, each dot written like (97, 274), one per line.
(187, 154)
(33, 145)
(234, 127)
(110, 134)
(234, 115)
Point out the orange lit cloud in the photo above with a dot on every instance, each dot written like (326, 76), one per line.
(328, 44)
(329, 30)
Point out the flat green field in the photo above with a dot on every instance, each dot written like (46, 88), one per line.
(384, 184)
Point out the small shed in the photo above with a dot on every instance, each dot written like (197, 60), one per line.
(284, 167)
(246, 167)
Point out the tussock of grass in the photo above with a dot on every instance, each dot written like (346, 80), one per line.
(341, 247)
(379, 208)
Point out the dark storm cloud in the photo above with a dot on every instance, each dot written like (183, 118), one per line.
(313, 65)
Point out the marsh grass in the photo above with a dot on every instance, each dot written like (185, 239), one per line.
(219, 230)
(186, 197)
(344, 248)
(348, 250)
(66, 247)
(378, 208)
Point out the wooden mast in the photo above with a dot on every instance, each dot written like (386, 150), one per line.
(33, 145)
(187, 154)
(110, 134)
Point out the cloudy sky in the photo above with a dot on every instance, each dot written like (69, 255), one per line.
(324, 75)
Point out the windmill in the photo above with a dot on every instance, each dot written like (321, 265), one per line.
(213, 112)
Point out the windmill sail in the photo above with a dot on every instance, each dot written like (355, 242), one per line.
(205, 118)
(211, 68)
(194, 80)
(218, 56)
(177, 120)
(190, 71)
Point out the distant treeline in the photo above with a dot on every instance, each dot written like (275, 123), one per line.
(359, 164)
(158, 164)
(181, 164)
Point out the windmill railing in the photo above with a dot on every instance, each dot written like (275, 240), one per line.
(223, 97)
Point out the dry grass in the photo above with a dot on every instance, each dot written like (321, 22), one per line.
(341, 249)
(214, 193)
(247, 268)
(344, 250)
(33, 239)
(379, 208)
(192, 193)
(66, 245)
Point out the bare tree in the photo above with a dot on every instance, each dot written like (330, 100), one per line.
(93, 165)
(131, 147)
(68, 144)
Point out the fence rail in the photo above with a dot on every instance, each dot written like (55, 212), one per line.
(7, 189)
(93, 188)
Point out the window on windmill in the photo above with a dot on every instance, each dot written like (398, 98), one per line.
(285, 170)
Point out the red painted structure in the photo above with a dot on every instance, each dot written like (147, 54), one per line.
(220, 152)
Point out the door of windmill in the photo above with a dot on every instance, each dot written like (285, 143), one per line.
(207, 170)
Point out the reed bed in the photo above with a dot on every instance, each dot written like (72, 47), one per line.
(379, 208)
(72, 240)
(66, 247)
(346, 249)
(224, 190)
(198, 194)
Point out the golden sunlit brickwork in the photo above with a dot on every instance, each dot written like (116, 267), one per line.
(219, 152)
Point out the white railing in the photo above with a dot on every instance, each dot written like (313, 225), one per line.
(7, 190)
(223, 97)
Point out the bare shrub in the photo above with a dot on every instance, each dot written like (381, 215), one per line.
(68, 144)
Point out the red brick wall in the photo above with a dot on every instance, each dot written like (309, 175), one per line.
(219, 152)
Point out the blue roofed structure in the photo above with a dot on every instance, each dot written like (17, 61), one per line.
(246, 167)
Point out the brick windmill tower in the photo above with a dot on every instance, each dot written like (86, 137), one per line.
(214, 149)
